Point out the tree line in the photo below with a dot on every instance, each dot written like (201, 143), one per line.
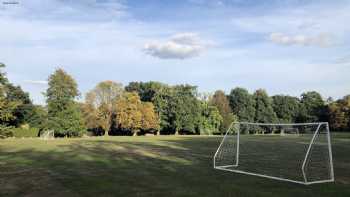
(152, 107)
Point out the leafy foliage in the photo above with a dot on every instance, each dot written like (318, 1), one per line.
(25, 108)
(178, 109)
(5, 131)
(220, 100)
(100, 106)
(64, 115)
(339, 114)
(38, 117)
(150, 120)
(7, 107)
(211, 119)
(312, 107)
(146, 90)
(286, 108)
(264, 112)
(25, 132)
(242, 104)
(128, 113)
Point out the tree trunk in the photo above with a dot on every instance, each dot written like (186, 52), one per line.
(107, 127)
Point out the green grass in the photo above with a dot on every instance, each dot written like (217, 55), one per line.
(144, 166)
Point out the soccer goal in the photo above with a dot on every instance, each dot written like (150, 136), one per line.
(47, 135)
(299, 153)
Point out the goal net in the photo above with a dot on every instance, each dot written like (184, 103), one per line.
(46, 135)
(299, 153)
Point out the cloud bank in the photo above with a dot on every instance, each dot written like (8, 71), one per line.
(320, 40)
(179, 46)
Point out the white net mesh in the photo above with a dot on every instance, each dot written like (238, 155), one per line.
(46, 135)
(298, 153)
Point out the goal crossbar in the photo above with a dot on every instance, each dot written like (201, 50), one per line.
(303, 167)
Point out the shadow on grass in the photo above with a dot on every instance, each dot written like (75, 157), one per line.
(126, 166)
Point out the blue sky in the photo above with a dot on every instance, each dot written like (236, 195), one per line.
(283, 46)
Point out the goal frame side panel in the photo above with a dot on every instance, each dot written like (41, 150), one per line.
(329, 152)
(221, 143)
(305, 182)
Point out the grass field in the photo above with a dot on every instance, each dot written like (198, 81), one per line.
(144, 166)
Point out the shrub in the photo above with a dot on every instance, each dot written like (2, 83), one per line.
(23, 132)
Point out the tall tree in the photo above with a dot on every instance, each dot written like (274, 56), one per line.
(149, 120)
(263, 107)
(312, 107)
(7, 107)
(163, 103)
(38, 117)
(101, 104)
(25, 110)
(90, 115)
(22, 108)
(242, 104)
(286, 108)
(187, 109)
(211, 119)
(178, 109)
(128, 114)
(220, 100)
(64, 115)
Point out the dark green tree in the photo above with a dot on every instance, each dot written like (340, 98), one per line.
(64, 115)
(211, 119)
(312, 108)
(38, 117)
(163, 102)
(178, 109)
(25, 110)
(286, 108)
(146, 90)
(263, 107)
(186, 109)
(7, 107)
(242, 104)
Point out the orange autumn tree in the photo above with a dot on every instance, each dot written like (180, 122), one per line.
(135, 116)
(150, 120)
(128, 114)
(100, 104)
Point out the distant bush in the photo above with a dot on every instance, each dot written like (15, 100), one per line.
(25, 132)
(5, 131)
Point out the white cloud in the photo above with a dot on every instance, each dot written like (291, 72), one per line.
(321, 40)
(36, 82)
(82, 10)
(179, 46)
(343, 60)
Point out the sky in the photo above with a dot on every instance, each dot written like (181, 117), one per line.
(283, 46)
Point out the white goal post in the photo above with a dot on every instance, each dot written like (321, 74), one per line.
(47, 135)
(297, 152)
